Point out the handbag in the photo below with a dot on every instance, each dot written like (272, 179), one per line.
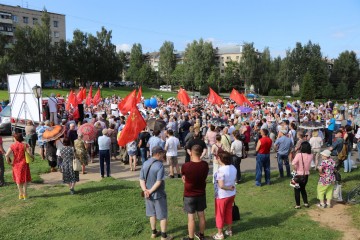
(77, 167)
(300, 178)
(28, 158)
(235, 212)
(147, 174)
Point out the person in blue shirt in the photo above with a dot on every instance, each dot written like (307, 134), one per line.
(330, 130)
(283, 145)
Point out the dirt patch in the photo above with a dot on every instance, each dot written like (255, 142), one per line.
(336, 218)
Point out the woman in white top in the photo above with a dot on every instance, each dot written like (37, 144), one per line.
(236, 150)
(225, 192)
(316, 143)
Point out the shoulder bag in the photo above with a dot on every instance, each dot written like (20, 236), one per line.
(147, 174)
(77, 167)
(28, 158)
(300, 178)
(235, 213)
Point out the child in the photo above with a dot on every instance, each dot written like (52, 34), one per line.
(327, 178)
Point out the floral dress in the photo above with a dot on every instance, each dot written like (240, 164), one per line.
(80, 151)
(67, 155)
(328, 176)
(21, 170)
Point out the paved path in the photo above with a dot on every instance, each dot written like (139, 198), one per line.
(121, 171)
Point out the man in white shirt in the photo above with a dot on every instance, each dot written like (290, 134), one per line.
(52, 103)
(172, 146)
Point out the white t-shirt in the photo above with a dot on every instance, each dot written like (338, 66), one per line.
(52, 103)
(227, 174)
(171, 145)
(236, 148)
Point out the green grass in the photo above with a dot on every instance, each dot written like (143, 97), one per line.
(105, 92)
(38, 167)
(113, 209)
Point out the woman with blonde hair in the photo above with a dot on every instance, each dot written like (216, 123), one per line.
(316, 143)
(81, 152)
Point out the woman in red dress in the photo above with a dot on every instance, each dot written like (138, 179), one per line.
(21, 170)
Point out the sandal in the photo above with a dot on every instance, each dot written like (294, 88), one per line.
(228, 233)
(321, 205)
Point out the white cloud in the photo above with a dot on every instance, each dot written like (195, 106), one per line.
(123, 47)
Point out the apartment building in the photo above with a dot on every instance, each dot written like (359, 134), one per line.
(12, 17)
(226, 54)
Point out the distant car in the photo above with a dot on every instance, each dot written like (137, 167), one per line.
(166, 88)
(5, 122)
(118, 84)
(252, 95)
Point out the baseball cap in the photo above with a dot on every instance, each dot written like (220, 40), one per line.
(157, 149)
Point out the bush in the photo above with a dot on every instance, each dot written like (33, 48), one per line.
(204, 90)
(276, 92)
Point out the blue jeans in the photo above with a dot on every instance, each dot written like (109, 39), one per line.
(104, 158)
(262, 161)
(283, 159)
(143, 152)
(337, 127)
(347, 163)
(358, 148)
(330, 136)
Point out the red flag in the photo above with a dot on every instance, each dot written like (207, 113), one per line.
(236, 97)
(214, 98)
(97, 97)
(128, 103)
(134, 125)
(71, 101)
(245, 100)
(138, 98)
(80, 96)
(183, 97)
(89, 97)
(76, 114)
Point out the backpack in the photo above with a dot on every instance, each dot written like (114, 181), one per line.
(343, 154)
(220, 150)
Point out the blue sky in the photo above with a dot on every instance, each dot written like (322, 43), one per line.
(278, 24)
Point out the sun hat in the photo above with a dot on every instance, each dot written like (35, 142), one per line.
(326, 153)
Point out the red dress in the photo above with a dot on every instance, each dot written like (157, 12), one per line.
(21, 170)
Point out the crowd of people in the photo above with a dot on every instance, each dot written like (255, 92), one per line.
(217, 136)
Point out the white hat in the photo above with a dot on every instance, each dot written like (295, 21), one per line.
(326, 153)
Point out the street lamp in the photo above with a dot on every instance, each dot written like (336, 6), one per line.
(37, 92)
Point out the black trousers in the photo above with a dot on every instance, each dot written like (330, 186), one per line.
(301, 190)
(236, 161)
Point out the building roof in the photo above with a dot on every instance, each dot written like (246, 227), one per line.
(19, 7)
(234, 49)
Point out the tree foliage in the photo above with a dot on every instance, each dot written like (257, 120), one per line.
(307, 88)
(167, 61)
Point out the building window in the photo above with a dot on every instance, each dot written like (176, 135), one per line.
(222, 58)
(1, 28)
(237, 57)
(222, 64)
(25, 20)
(56, 34)
(15, 18)
(56, 24)
(222, 71)
(35, 21)
(228, 58)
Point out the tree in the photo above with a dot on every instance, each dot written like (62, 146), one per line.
(4, 58)
(307, 88)
(199, 61)
(265, 71)
(178, 76)
(342, 91)
(346, 70)
(79, 57)
(231, 78)
(167, 61)
(328, 91)
(249, 65)
(136, 63)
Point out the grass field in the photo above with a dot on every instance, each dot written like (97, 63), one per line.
(113, 209)
(105, 92)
